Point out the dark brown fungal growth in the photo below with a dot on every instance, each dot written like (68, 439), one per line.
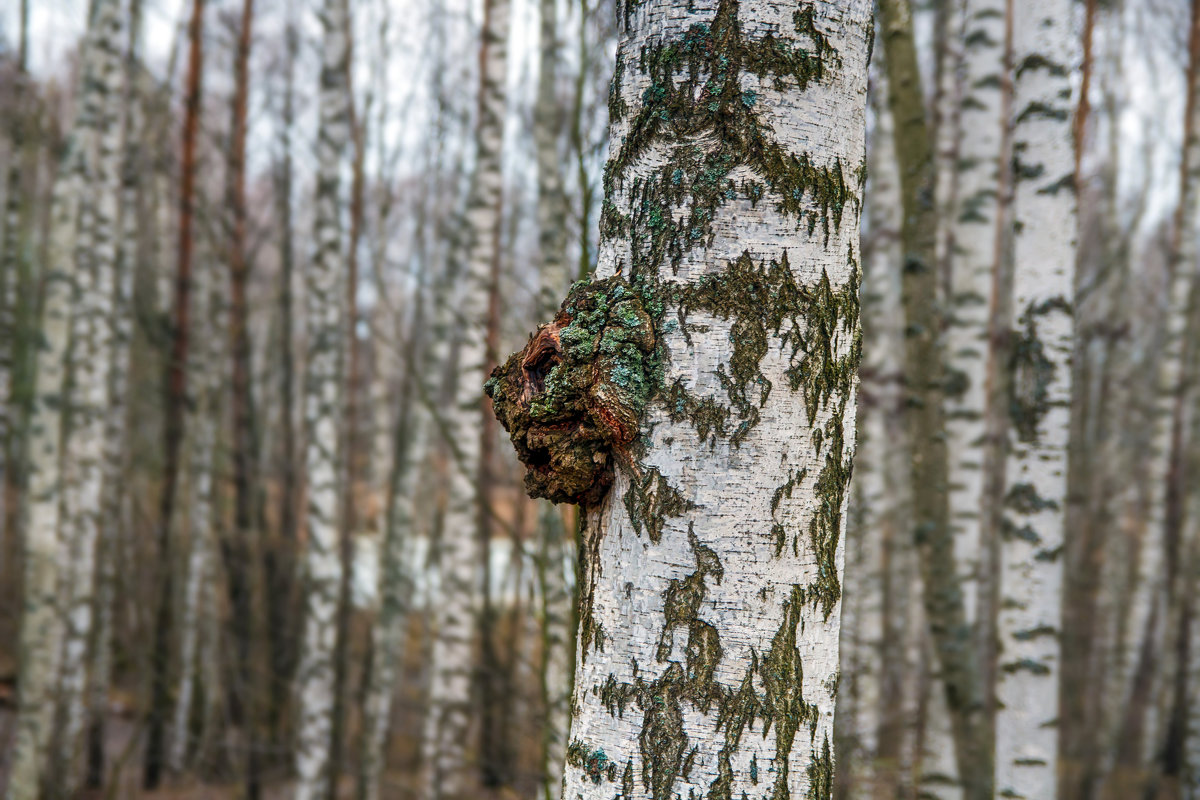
(573, 398)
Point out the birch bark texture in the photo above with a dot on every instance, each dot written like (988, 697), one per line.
(448, 753)
(55, 527)
(973, 226)
(1045, 55)
(322, 410)
(711, 576)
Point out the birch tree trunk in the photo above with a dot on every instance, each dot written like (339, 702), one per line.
(200, 447)
(1178, 395)
(555, 561)
(448, 737)
(322, 401)
(974, 236)
(1045, 56)
(708, 640)
(113, 520)
(174, 402)
(407, 439)
(54, 527)
(925, 381)
(90, 363)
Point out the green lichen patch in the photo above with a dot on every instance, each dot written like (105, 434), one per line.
(825, 527)
(1032, 371)
(697, 106)
(764, 300)
(1024, 499)
(650, 501)
(594, 763)
(820, 772)
(577, 391)
(784, 707)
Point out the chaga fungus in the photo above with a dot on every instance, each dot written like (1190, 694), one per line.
(574, 396)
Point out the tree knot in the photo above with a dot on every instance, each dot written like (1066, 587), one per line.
(574, 395)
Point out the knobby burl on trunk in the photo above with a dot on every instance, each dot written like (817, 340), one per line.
(572, 399)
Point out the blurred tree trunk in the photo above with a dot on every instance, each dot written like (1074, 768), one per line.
(925, 381)
(60, 536)
(1176, 409)
(113, 519)
(902, 620)
(89, 366)
(11, 254)
(324, 298)
(407, 445)
(352, 458)
(871, 699)
(450, 739)
(200, 446)
(556, 546)
(975, 229)
(14, 271)
(280, 558)
(711, 577)
(175, 400)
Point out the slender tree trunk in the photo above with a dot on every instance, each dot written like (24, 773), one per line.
(556, 555)
(1177, 400)
(200, 447)
(322, 399)
(712, 566)
(975, 229)
(90, 362)
(65, 479)
(113, 520)
(242, 547)
(160, 704)
(351, 460)
(281, 575)
(396, 561)
(1045, 55)
(449, 733)
(925, 381)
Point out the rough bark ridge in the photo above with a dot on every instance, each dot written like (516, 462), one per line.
(322, 410)
(1045, 56)
(712, 567)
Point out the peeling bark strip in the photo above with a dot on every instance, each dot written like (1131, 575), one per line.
(711, 566)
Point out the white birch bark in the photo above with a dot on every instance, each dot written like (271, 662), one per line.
(448, 749)
(711, 595)
(91, 363)
(1045, 56)
(974, 257)
(324, 299)
(44, 626)
(556, 561)
(405, 446)
(201, 430)
(113, 520)
(552, 208)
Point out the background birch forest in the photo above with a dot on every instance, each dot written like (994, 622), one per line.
(258, 540)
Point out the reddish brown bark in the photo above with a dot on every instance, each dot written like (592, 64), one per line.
(239, 549)
(175, 401)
